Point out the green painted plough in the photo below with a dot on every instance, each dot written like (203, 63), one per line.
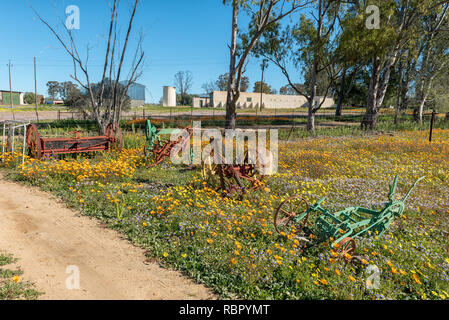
(159, 145)
(340, 228)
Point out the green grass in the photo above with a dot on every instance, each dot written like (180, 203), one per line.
(31, 108)
(157, 109)
(11, 286)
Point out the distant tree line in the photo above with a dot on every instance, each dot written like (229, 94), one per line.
(371, 54)
(78, 99)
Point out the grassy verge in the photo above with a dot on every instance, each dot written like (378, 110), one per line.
(12, 287)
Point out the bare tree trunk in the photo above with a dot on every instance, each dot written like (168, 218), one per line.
(311, 119)
(420, 88)
(420, 111)
(311, 112)
(424, 93)
(341, 94)
(313, 82)
(397, 108)
(233, 94)
(422, 103)
(370, 119)
(377, 89)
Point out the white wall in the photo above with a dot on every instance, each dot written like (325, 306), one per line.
(197, 102)
(169, 97)
(269, 101)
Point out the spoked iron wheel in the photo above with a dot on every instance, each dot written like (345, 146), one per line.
(243, 177)
(249, 176)
(33, 139)
(232, 181)
(114, 133)
(250, 173)
(209, 173)
(222, 177)
(346, 249)
(152, 154)
(287, 212)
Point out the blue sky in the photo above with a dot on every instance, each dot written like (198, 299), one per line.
(179, 35)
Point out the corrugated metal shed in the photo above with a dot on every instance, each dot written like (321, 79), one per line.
(136, 91)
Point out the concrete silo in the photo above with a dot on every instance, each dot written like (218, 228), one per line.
(169, 98)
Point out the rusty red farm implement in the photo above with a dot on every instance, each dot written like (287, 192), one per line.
(39, 147)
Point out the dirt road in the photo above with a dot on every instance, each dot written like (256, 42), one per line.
(47, 237)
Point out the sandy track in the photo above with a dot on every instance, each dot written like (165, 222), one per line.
(47, 237)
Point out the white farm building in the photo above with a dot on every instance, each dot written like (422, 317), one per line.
(251, 100)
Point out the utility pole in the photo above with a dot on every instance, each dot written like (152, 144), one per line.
(35, 90)
(263, 66)
(10, 91)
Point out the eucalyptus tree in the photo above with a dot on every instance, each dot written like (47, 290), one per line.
(405, 69)
(438, 96)
(263, 14)
(223, 80)
(380, 43)
(344, 85)
(435, 55)
(310, 46)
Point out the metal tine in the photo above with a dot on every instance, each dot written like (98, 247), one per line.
(393, 189)
(413, 186)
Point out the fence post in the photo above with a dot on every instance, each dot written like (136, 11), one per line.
(256, 114)
(59, 115)
(293, 116)
(432, 122)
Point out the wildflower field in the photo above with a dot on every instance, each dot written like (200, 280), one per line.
(231, 245)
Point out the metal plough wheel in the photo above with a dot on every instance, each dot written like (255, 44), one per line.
(346, 247)
(286, 213)
(209, 172)
(33, 139)
(253, 179)
(245, 176)
(114, 133)
(152, 154)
